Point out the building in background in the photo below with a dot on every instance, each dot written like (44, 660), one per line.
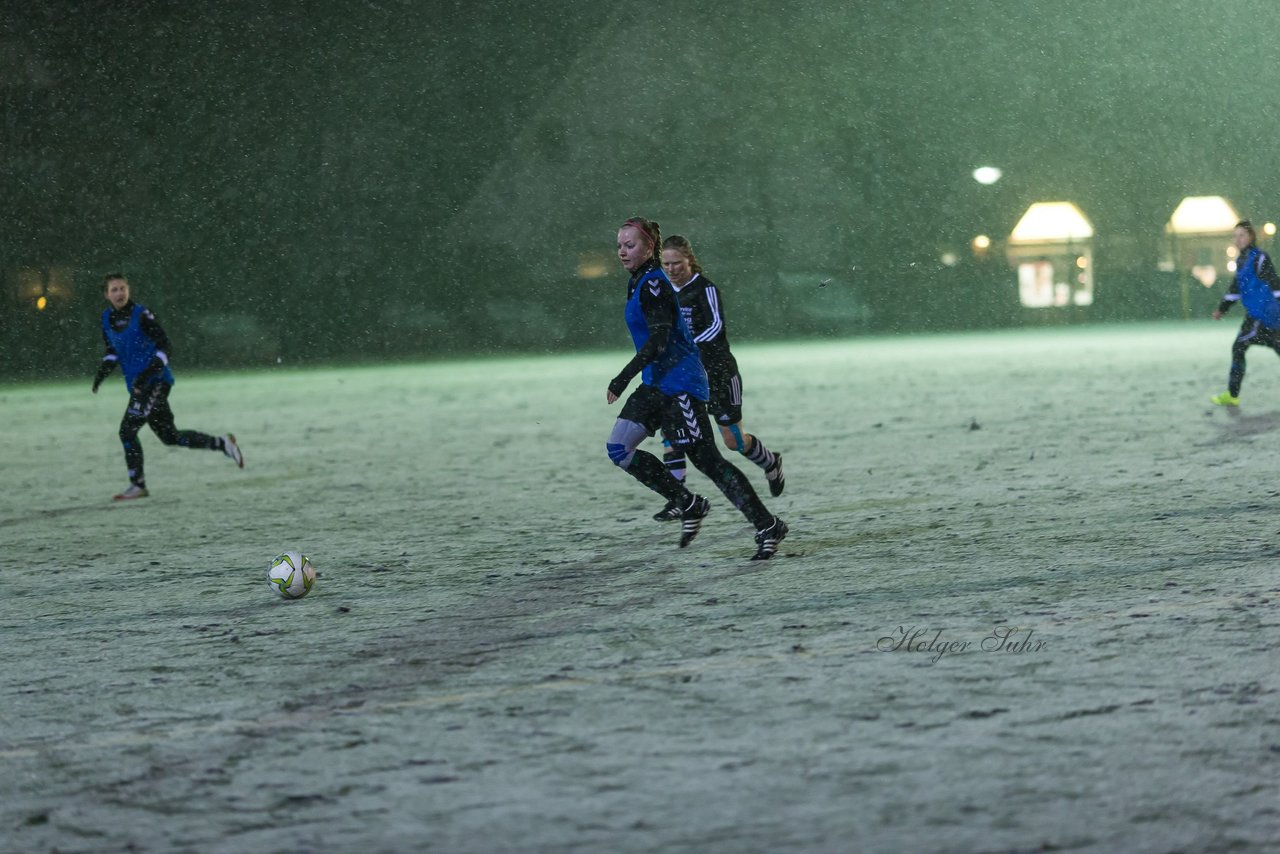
(1051, 251)
(1198, 249)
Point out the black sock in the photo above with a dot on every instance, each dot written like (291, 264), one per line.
(133, 462)
(734, 484)
(650, 471)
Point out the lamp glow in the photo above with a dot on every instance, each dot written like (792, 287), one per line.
(987, 175)
(1051, 222)
(1203, 215)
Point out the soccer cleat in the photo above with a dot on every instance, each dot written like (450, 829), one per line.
(231, 449)
(691, 519)
(670, 513)
(777, 480)
(134, 491)
(767, 540)
(1225, 399)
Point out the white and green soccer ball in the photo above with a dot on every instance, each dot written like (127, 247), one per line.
(291, 575)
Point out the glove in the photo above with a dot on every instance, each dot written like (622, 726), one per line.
(103, 370)
(149, 374)
(141, 386)
(618, 385)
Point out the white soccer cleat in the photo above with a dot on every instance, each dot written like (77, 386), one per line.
(232, 450)
(134, 491)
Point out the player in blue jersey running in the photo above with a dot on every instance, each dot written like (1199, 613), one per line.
(672, 396)
(703, 310)
(136, 343)
(1256, 287)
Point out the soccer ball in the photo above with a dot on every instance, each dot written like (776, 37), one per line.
(291, 575)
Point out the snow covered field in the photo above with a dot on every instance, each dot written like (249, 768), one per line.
(1030, 601)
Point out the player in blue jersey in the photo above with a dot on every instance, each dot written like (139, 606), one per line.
(136, 343)
(1256, 287)
(703, 310)
(672, 396)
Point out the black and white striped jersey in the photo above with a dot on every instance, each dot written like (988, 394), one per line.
(703, 309)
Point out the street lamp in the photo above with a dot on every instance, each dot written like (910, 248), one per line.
(987, 175)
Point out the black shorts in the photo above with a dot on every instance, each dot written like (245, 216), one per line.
(1253, 332)
(682, 418)
(725, 404)
(149, 402)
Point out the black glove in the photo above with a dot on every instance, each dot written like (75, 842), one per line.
(149, 374)
(103, 370)
(618, 385)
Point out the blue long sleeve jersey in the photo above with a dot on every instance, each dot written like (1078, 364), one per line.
(652, 309)
(135, 340)
(1256, 287)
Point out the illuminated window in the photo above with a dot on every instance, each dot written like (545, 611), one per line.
(1203, 270)
(1035, 284)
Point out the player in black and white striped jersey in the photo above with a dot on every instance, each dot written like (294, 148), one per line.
(700, 302)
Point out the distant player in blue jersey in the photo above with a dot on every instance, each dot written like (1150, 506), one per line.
(1255, 286)
(672, 396)
(703, 310)
(139, 346)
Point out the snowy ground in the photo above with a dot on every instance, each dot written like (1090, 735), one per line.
(1030, 602)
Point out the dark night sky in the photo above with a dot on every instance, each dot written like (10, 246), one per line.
(279, 147)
